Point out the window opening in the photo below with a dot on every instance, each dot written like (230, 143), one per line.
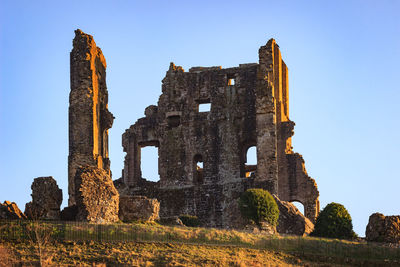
(199, 165)
(198, 172)
(204, 107)
(231, 79)
(251, 161)
(174, 121)
(299, 206)
(149, 163)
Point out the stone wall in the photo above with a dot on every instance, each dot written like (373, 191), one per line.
(96, 198)
(46, 199)
(89, 118)
(249, 107)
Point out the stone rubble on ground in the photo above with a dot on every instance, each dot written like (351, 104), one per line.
(138, 208)
(291, 220)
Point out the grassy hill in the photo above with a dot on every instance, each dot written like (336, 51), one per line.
(138, 244)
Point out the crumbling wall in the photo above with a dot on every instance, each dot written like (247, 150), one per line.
(249, 107)
(97, 200)
(46, 199)
(89, 118)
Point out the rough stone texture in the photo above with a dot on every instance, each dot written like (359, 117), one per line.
(134, 208)
(46, 199)
(10, 211)
(96, 198)
(264, 228)
(69, 213)
(249, 107)
(382, 228)
(291, 221)
(89, 118)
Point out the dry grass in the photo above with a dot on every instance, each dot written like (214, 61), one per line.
(41, 240)
(7, 257)
(157, 245)
(157, 254)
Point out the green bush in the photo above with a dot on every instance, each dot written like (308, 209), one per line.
(334, 221)
(258, 205)
(190, 220)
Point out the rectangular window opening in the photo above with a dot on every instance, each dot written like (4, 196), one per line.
(231, 79)
(204, 107)
(149, 163)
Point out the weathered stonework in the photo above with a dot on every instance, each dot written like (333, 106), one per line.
(138, 208)
(89, 118)
(291, 220)
(46, 199)
(96, 198)
(10, 211)
(249, 107)
(383, 228)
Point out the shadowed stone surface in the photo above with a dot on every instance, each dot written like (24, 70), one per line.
(97, 199)
(291, 221)
(89, 118)
(10, 211)
(46, 199)
(202, 155)
(383, 228)
(69, 213)
(133, 208)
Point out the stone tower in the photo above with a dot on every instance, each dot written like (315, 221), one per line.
(89, 118)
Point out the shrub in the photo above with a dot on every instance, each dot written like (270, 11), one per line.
(334, 221)
(190, 220)
(258, 205)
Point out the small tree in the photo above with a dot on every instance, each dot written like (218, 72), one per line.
(258, 205)
(334, 221)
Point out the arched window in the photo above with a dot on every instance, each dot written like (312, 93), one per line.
(198, 169)
(299, 206)
(250, 165)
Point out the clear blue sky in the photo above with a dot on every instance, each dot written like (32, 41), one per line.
(343, 59)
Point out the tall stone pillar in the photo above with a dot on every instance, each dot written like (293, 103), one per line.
(266, 118)
(89, 118)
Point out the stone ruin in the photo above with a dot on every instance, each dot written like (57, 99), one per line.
(291, 220)
(249, 107)
(89, 118)
(383, 228)
(10, 211)
(46, 200)
(96, 198)
(138, 208)
(92, 195)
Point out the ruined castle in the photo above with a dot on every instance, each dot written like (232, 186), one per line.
(249, 106)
